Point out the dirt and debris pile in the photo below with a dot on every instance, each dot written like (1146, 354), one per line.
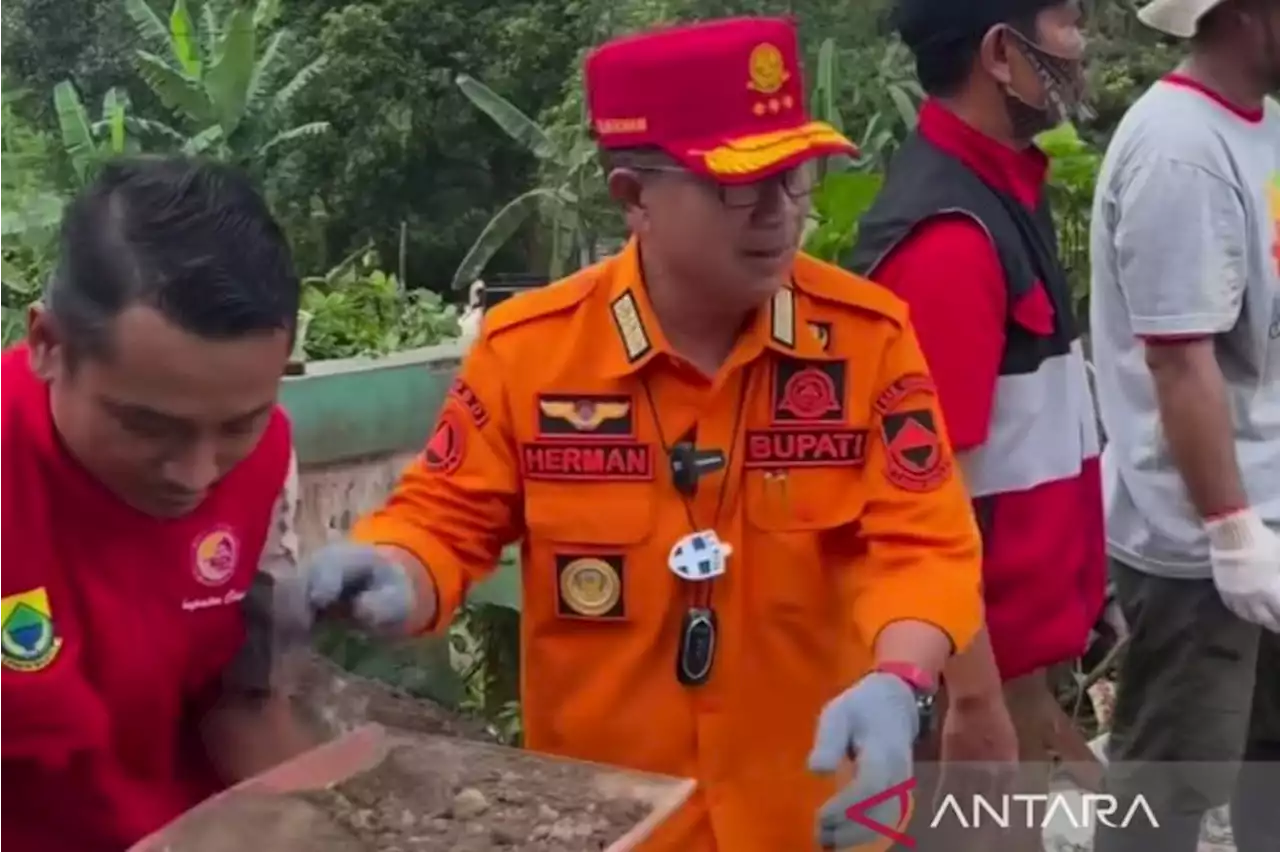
(430, 782)
(429, 794)
(444, 795)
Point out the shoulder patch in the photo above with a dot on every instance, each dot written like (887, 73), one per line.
(554, 298)
(829, 283)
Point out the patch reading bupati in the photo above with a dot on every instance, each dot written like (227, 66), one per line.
(590, 461)
(808, 392)
(590, 586)
(444, 452)
(916, 458)
(462, 392)
(585, 417)
(792, 447)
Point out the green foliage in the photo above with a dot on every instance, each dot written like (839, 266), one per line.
(357, 309)
(567, 167)
(88, 144)
(838, 203)
(227, 95)
(484, 643)
(1074, 165)
(32, 207)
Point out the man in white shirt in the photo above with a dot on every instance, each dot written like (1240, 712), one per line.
(1186, 338)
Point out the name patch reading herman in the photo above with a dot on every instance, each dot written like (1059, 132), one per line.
(587, 461)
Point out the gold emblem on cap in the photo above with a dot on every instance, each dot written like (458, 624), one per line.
(767, 69)
(590, 586)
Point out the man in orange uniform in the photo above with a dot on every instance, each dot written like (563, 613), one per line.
(721, 456)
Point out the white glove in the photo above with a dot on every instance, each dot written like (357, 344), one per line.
(1246, 567)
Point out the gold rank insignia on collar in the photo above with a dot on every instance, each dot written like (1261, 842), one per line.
(626, 315)
(782, 322)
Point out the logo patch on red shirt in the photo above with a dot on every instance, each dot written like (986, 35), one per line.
(214, 556)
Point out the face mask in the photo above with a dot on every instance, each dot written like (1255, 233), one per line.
(1064, 87)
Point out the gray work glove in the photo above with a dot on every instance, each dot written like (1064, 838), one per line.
(875, 721)
(365, 585)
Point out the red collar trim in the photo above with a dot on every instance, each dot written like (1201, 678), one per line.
(1020, 173)
(1253, 116)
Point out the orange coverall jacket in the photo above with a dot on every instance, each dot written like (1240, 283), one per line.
(841, 502)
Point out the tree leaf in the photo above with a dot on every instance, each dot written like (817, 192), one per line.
(177, 92)
(902, 102)
(115, 107)
(506, 115)
(287, 92)
(150, 27)
(262, 72)
(314, 128)
(265, 14)
(147, 127)
(209, 27)
(230, 71)
(182, 37)
(497, 232)
(203, 141)
(77, 134)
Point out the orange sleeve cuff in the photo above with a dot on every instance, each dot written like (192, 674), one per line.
(947, 594)
(443, 571)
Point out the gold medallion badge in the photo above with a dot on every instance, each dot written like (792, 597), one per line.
(590, 587)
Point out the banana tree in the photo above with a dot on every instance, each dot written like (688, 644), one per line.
(562, 201)
(216, 80)
(87, 142)
(846, 186)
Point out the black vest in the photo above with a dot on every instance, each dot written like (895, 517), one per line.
(924, 182)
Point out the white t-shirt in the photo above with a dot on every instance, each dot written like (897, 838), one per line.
(1185, 241)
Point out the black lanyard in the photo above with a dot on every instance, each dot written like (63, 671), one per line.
(702, 589)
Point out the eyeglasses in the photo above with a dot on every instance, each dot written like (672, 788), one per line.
(796, 183)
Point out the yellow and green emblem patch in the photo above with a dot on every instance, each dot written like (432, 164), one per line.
(30, 640)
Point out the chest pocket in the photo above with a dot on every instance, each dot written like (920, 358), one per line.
(607, 527)
(801, 528)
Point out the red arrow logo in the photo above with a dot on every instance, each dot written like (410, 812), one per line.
(857, 812)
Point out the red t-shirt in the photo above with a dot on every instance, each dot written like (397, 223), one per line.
(1044, 571)
(116, 629)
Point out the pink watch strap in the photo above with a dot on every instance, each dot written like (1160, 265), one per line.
(916, 677)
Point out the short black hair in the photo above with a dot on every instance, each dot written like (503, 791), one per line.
(191, 238)
(633, 158)
(945, 68)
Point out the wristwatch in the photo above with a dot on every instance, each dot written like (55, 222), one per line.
(923, 685)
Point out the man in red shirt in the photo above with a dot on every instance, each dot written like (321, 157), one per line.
(962, 232)
(148, 487)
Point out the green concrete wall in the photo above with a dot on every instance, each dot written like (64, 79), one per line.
(354, 408)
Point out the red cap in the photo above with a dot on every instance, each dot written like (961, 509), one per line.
(725, 98)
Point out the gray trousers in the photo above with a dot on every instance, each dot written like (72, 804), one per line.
(1197, 718)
